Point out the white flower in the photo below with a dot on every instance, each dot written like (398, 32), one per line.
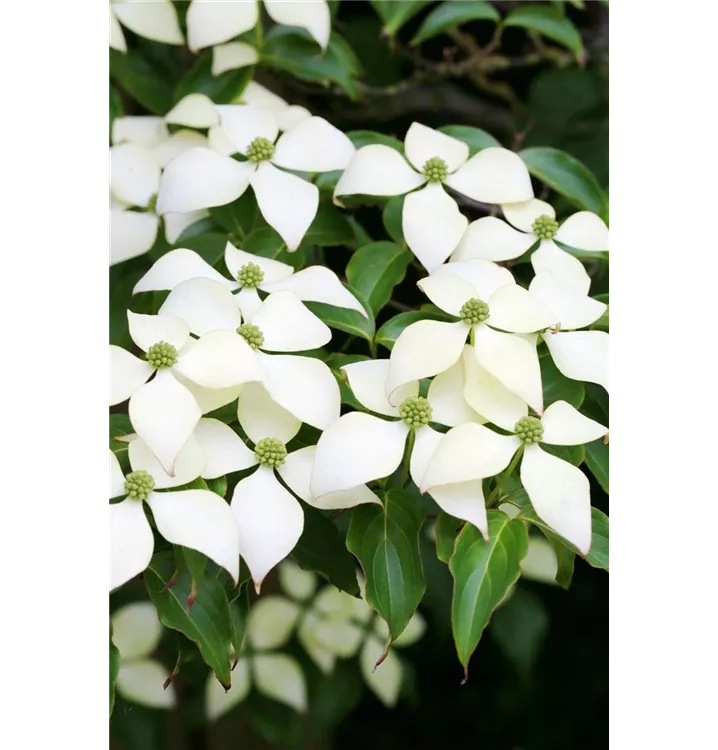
(202, 178)
(288, 115)
(432, 223)
(360, 448)
(211, 23)
(559, 492)
(142, 148)
(493, 239)
(270, 624)
(198, 519)
(484, 298)
(136, 632)
(156, 20)
(163, 411)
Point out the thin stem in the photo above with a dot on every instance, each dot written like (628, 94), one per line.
(407, 458)
(507, 473)
(259, 39)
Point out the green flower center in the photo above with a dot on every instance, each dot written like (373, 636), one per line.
(415, 411)
(474, 311)
(250, 276)
(529, 430)
(162, 354)
(435, 169)
(260, 149)
(545, 227)
(251, 334)
(139, 484)
(270, 452)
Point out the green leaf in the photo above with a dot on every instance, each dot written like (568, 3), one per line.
(196, 563)
(448, 15)
(140, 80)
(116, 108)
(573, 454)
(207, 623)
(548, 22)
(264, 241)
(222, 89)
(239, 217)
(374, 270)
(556, 386)
(209, 246)
(389, 332)
(395, 14)
(565, 559)
(567, 176)
(218, 485)
(597, 461)
(238, 613)
(114, 670)
(385, 540)
(120, 426)
(602, 323)
(445, 531)
(321, 549)
(294, 51)
(330, 227)
(483, 573)
(393, 219)
(335, 362)
(475, 138)
(349, 321)
(368, 137)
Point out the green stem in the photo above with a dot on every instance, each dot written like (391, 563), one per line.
(507, 473)
(407, 458)
(472, 335)
(259, 40)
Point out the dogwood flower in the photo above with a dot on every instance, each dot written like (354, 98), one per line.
(250, 274)
(142, 148)
(358, 448)
(211, 23)
(559, 491)
(535, 221)
(198, 519)
(487, 302)
(136, 633)
(156, 20)
(201, 178)
(302, 389)
(270, 625)
(431, 220)
(163, 411)
(288, 115)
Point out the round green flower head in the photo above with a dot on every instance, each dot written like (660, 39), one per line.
(139, 484)
(162, 354)
(474, 311)
(260, 149)
(270, 452)
(251, 334)
(545, 227)
(415, 411)
(435, 169)
(529, 430)
(250, 276)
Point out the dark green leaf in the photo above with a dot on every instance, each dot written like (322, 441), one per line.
(396, 14)
(445, 530)
(114, 669)
(225, 88)
(120, 426)
(209, 246)
(602, 323)
(238, 613)
(574, 454)
(265, 242)
(141, 81)
(374, 271)
(567, 176)
(368, 137)
(207, 623)
(448, 15)
(196, 563)
(565, 559)
(483, 573)
(389, 332)
(475, 138)
(385, 540)
(545, 19)
(116, 108)
(335, 363)
(330, 227)
(597, 461)
(239, 217)
(557, 387)
(392, 218)
(349, 321)
(218, 485)
(321, 549)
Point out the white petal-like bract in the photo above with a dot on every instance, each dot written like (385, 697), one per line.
(494, 175)
(378, 170)
(131, 541)
(422, 143)
(314, 145)
(565, 425)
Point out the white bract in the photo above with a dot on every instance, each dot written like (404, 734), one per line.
(431, 221)
(198, 519)
(493, 239)
(495, 310)
(136, 633)
(270, 624)
(164, 411)
(212, 23)
(142, 147)
(156, 20)
(360, 448)
(559, 491)
(202, 178)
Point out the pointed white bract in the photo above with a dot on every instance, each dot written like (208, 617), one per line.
(155, 20)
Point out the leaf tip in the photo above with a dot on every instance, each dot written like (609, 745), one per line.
(466, 675)
(383, 656)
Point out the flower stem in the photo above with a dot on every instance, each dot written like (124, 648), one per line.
(407, 458)
(494, 496)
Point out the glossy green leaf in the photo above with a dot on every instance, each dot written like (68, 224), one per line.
(209, 246)
(567, 176)
(349, 321)
(602, 323)
(219, 484)
(207, 623)
(389, 332)
(114, 670)
(238, 613)
(573, 454)
(141, 80)
(556, 386)
(330, 227)
(239, 217)
(475, 138)
(374, 271)
(264, 241)
(597, 461)
(545, 19)
(368, 137)
(321, 549)
(196, 563)
(395, 14)
(392, 216)
(449, 15)
(385, 540)
(222, 89)
(120, 426)
(445, 530)
(565, 559)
